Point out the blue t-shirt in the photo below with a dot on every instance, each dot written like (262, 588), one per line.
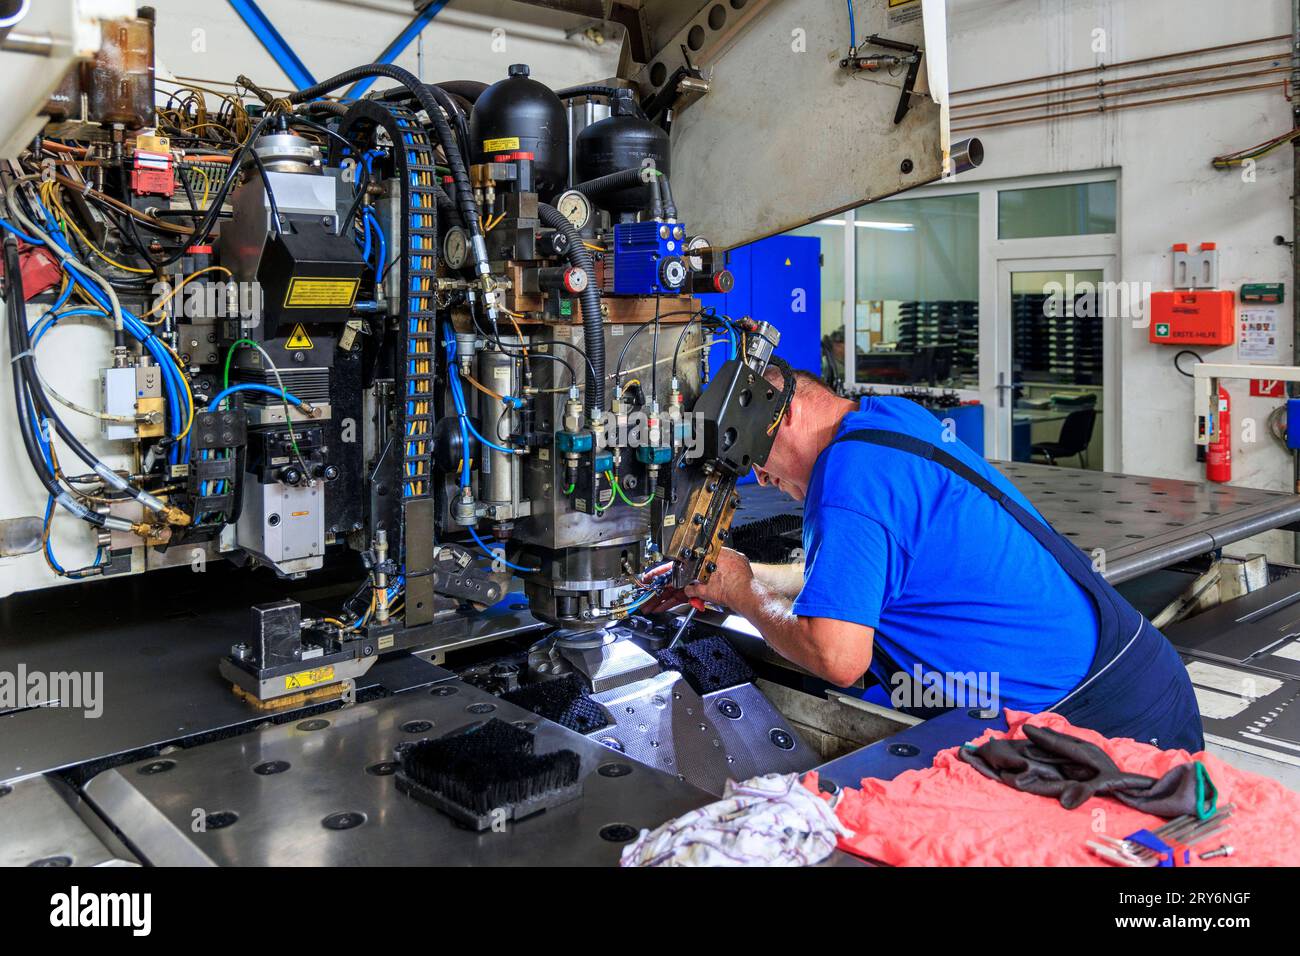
(946, 576)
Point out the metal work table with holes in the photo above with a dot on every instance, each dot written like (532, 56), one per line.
(1138, 524)
(315, 788)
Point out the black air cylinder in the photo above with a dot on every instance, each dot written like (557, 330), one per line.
(620, 141)
(518, 114)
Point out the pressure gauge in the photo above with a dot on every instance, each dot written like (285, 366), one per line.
(695, 249)
(575, 207)
(455, 248)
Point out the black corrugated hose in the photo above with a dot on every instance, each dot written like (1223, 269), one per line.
(428, 101)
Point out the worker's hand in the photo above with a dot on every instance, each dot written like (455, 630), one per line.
(666, 600)
(733, 578)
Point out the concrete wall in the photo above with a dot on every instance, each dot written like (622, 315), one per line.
(1168, 190)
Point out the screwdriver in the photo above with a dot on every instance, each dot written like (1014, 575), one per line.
(697, 605)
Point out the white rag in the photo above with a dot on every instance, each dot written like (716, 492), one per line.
(772, 820)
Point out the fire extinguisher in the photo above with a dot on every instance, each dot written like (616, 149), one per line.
(1218, 456)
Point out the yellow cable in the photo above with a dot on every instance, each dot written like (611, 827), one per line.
(207, 186)
(480, 386)
(67, 221)
(189, 392)
(175, 290)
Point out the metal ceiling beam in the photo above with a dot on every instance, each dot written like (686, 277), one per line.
(399, 45)
(276, 45)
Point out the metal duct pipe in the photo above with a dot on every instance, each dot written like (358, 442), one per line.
(967, 154)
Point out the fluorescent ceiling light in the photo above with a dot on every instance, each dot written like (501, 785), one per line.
(871, 224)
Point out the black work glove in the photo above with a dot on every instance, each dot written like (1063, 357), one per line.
(1052, 764)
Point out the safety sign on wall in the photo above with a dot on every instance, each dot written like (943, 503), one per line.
(1257, 335)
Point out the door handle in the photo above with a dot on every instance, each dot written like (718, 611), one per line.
(1002, 388)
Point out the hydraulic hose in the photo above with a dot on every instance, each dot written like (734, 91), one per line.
(429, 102)
(588, 89)
(467, 90)
(661, 196)
(331, 107)
(593, 325)
(26, 368)
(23, 365)
(622, 179)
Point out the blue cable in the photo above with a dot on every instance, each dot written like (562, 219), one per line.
(493, 555)
(458, 395)
(30, 240)
(639, 601)
(853, 30)
(51, 318)
(380, 242)
(254, 387)
(365, 232)
(173, 383)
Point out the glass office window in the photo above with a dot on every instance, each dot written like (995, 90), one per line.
(1080, 209)
(917, 284)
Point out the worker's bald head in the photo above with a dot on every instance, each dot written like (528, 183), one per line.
(807, 427)
(806, 384)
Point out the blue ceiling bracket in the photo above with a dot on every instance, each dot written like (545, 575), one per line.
(399, 44)
(275, 44)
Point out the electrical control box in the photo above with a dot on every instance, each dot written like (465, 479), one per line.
(1192, 317)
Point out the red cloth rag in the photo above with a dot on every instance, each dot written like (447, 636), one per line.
(951, 815)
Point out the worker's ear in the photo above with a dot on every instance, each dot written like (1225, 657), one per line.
(794, 413)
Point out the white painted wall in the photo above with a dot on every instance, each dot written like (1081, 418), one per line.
(1168, 191)
(207, 39)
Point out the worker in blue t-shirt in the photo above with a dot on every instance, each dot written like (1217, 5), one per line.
(925, 565)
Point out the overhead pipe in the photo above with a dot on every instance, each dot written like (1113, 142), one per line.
(1124, 81)
(1117, 107)
(1102, 97)
(1139, 61)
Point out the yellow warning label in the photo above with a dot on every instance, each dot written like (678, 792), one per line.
(303, 679)
(501, 144)
(787, 261)
(306, 293)
(299, 339)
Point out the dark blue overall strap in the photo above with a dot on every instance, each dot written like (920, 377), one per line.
(1118, 622)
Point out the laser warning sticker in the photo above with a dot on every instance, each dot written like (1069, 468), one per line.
(316, 293)
(304, 679)
(502, 144)
(904, 11)
(299, 339)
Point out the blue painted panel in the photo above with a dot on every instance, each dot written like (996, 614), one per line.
(968, 421)
(778, 280)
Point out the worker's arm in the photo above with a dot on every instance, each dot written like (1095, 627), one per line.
(785, 579)
(836, 651)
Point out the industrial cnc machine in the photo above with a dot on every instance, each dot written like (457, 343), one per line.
(420, 383)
